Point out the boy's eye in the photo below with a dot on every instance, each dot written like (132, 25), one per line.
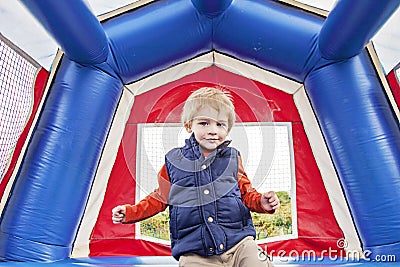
(203, 123)
(221, 124)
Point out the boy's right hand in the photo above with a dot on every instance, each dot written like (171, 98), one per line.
(118, 214)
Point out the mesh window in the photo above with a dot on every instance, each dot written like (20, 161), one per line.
(267, 154)
(17, 77)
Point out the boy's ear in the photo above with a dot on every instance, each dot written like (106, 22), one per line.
(188, 128)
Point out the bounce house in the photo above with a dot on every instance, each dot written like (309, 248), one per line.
(309, 94)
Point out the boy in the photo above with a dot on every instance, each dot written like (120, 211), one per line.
(207, 191)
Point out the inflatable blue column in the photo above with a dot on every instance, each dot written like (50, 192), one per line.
(358, 123)
(47, 201)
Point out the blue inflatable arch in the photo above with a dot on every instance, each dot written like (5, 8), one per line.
(327, 55)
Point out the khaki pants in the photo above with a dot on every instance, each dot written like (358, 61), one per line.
(243, 254)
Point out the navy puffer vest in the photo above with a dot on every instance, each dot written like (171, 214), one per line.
(207, 216)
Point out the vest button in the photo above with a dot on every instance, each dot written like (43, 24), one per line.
(206, 191)
(221, 246)
(210, 219)
(203, 167)
(211, 249)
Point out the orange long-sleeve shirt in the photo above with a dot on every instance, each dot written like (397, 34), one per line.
(157, 201)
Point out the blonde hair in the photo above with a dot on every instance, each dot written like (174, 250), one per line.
(216, 98)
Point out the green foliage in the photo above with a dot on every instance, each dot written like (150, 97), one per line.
(278, 224)
(267, 225)
(156, 226)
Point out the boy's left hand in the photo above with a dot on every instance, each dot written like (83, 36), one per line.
(270, 201)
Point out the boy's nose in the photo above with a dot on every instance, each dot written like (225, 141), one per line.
(212, 130)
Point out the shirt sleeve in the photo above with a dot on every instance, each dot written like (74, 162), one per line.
(155, 202)
(250, 197)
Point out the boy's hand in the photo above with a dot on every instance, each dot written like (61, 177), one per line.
(118, 214)
(270, 201)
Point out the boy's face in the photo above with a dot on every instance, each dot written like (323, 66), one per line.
(210, 128)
